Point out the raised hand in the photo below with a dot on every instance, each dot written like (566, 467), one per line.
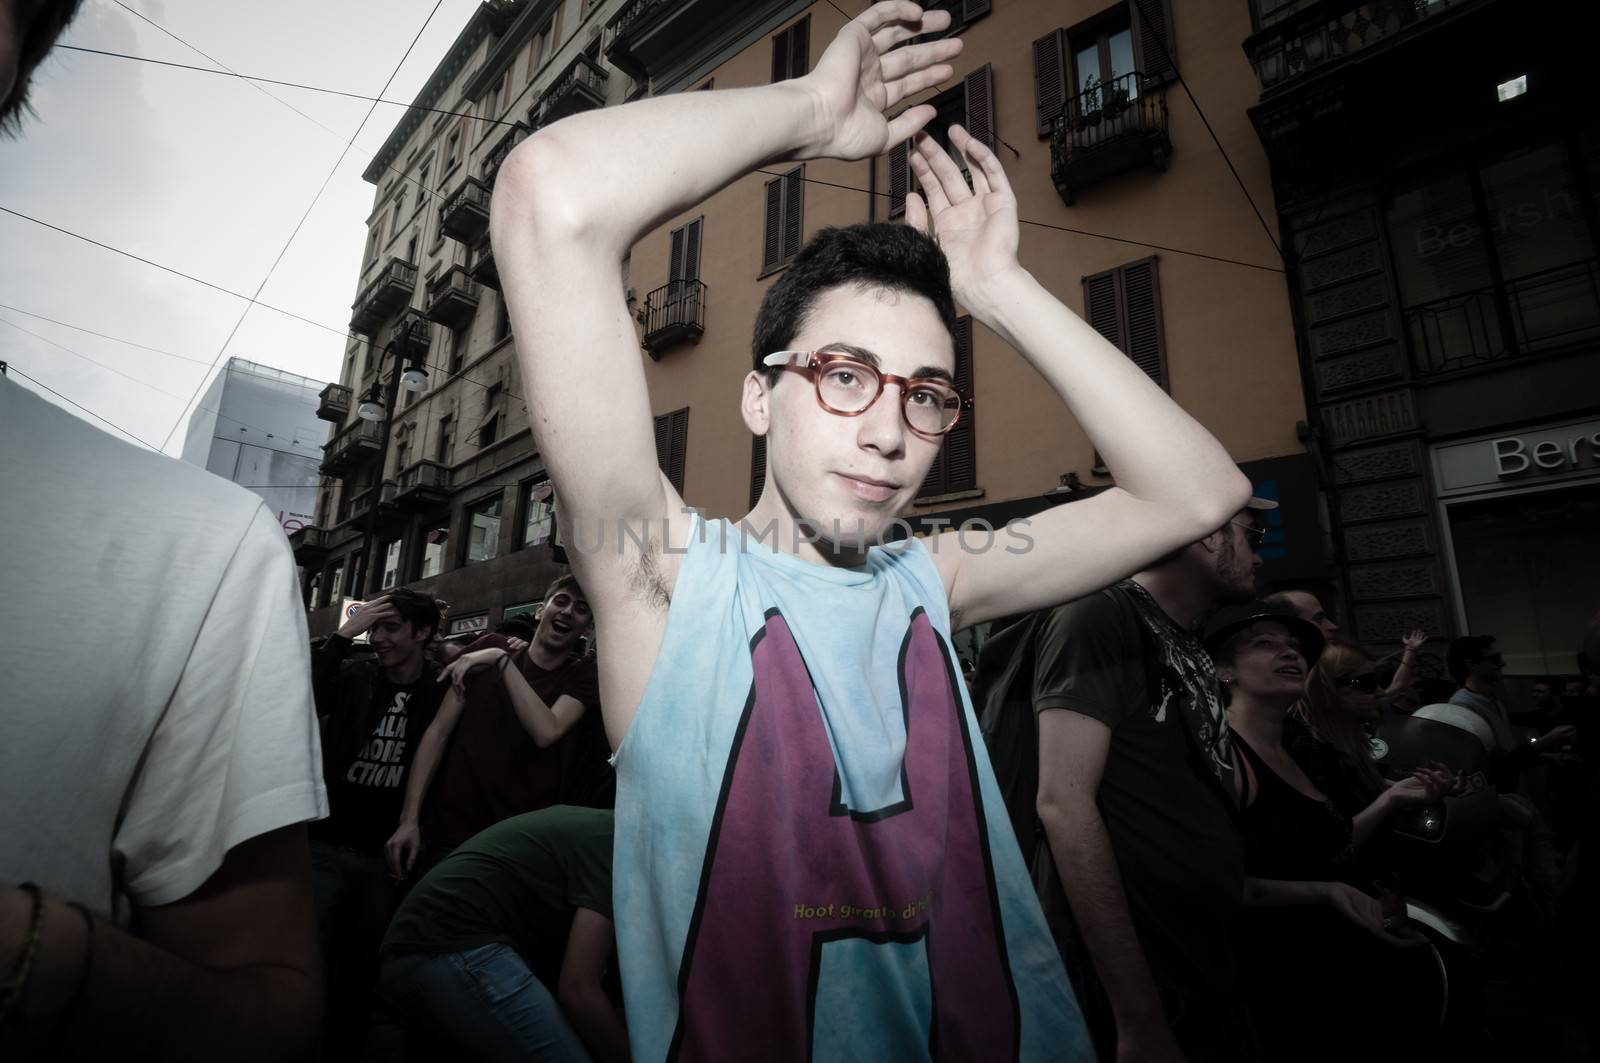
(975, 225)
(1416, 640)
(456, 672)
(1424, 786)
(373, 613)
(862, 75)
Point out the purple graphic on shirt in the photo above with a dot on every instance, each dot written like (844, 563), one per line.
(788, 869)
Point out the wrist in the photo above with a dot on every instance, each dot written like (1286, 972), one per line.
(812, 122)
(993, 299)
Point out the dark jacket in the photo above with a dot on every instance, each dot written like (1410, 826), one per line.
(343, 692)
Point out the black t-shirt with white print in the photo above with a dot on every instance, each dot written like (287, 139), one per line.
(366, 790)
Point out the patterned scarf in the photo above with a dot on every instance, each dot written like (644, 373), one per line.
(1188, 684)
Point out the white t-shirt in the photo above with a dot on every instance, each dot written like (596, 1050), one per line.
(155, 692)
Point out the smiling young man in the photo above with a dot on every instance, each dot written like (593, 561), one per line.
(806, 865)
(515, 734)
(373, 711)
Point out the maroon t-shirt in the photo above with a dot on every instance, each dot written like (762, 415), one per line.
(492, 768)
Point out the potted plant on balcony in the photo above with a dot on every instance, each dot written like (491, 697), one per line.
(1088, 105)
(1114, 98)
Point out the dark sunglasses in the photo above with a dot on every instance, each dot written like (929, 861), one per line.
(1257, 536)
(1365, 683)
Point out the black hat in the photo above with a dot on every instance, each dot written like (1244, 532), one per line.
(1234, 618)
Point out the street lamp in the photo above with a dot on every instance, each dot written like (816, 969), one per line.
(377, 407)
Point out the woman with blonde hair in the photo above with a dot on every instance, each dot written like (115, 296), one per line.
(1342, 697)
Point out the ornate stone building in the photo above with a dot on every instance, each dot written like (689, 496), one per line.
(1436, 177)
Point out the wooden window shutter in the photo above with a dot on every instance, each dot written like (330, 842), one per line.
(1049, 78)
(960, 443)
(899, 178)
(799, 47)
(672, 444)
(691, 250)
(675, 255)
(772, 227)
(980, 105)
(758, 468)
(1142, 299)
(956, 467)
(793, 203)
(663, 426)
(680, 447)
(971, 9)
(1101, 310)
(1153, 46)
(1124, 306)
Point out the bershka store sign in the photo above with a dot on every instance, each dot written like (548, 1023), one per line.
(1550, 453)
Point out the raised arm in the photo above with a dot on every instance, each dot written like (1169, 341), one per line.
(570, 202)
(545, 724)
(1175, 483)
(400, 851)
(572, 199)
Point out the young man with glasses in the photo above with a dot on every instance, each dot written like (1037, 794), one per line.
(811, 860)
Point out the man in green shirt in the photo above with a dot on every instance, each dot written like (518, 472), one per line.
(518, 909)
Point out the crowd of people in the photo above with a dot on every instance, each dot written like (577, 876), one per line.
(767, 819)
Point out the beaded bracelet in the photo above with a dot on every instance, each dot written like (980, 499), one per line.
(16, 983)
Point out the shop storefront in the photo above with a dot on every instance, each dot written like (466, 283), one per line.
(1520, 519)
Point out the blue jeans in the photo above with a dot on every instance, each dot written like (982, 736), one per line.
(483, 1004)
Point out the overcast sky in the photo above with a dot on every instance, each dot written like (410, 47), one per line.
(204, 174)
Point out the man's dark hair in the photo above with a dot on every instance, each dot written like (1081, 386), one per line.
(516, 626)
(1464, 652)
(41, 35)
(879, 255)
(569, 582)
(420, 610)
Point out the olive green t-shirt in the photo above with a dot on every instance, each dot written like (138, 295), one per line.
(518, 883)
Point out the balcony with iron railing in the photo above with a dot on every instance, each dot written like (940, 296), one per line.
(622, 31)
(496, 155)
(333, 403)
(389, 290)
(310, 545)
(674, 313)
(351, 447)
(452, 297)
(1547, 312)
(1296, 37)
(357, 506)
(1106, 130)
(482, 268)
(465, 215)
(410, 337)
(423, 485)
(580, 87)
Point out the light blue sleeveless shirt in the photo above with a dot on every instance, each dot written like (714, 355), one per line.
(813, 860)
